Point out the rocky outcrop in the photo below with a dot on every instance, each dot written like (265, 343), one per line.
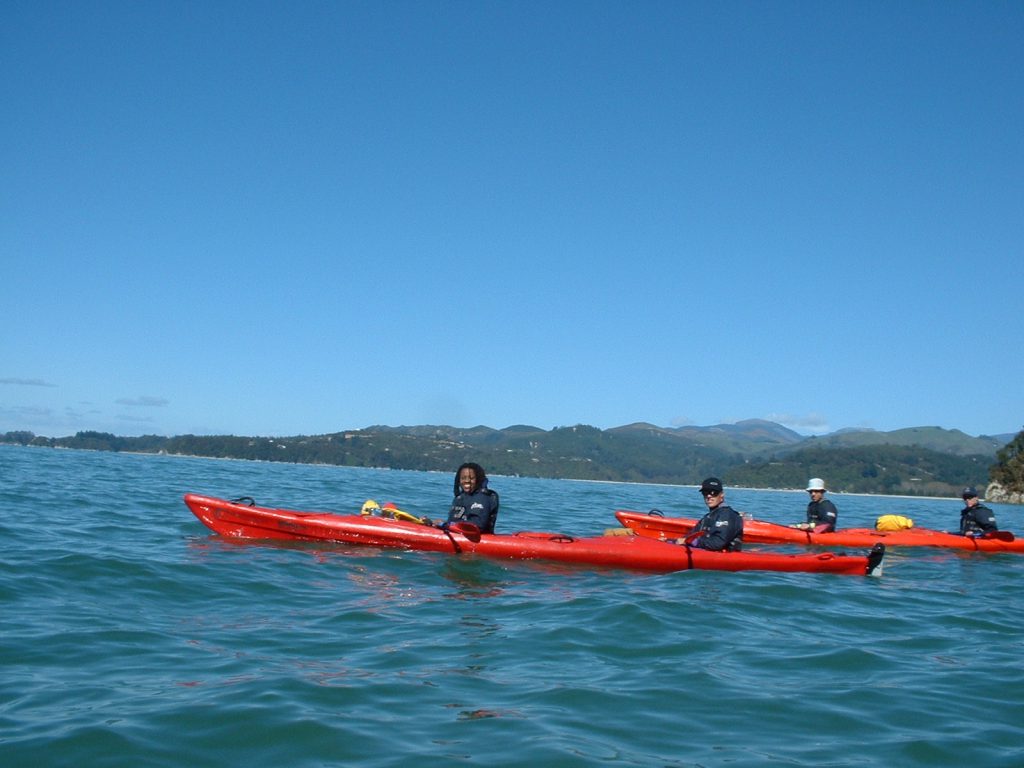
(997, 494)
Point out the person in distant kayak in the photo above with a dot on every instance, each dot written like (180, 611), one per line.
(821, 513)
(975, 518)
(474, 502)
(721, 529)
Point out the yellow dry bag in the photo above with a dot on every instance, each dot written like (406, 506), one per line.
(893, 523)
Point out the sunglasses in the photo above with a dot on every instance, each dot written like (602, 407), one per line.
(709, 494)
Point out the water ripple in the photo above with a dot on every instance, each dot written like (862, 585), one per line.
(131, 636)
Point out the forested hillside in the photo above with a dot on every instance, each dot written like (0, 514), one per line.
(757, 454)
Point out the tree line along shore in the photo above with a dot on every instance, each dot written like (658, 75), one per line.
(926, 461)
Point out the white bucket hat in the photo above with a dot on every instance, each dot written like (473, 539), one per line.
(815, 484)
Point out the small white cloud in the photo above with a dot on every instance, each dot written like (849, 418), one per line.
(813, 422)
(24, 412)
(145, 401)
(27, 382)
(134, 419)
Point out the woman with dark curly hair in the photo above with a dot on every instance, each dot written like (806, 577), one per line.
(474, 502)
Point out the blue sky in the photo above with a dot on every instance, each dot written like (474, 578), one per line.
(277, 219)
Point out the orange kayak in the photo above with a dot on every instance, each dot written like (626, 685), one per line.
(244, 519)
(656, 526)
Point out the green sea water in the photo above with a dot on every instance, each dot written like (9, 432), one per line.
(132, 636)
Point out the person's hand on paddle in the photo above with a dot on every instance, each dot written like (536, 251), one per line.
(691, 537)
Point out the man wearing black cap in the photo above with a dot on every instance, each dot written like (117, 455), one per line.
(975, 519)
(721, 529)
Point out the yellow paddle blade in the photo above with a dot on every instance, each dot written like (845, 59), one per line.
(400, 515)
(390, 510)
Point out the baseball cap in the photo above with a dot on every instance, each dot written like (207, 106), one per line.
(711, 485)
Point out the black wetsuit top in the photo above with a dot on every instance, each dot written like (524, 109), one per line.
(724, 530)
(822, 512)
(976, 520)
(479, 508)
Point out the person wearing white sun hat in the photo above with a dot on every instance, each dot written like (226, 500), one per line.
(821, 513)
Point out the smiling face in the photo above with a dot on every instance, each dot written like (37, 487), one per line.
(467, 479)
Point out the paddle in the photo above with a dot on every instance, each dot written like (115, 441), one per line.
(875, 558)
(470, 530)
(1000, 535)
(692, 537)
(389, 510)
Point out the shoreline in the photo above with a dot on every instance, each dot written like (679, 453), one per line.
(164, 454)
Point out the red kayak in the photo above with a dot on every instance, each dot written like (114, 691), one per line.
(243, 519)
(656, 526)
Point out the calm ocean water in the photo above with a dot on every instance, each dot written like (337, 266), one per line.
(131, 636)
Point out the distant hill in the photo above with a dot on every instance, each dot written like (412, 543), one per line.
(752, 453)
(749, 436)
(887, 468)
(936, 438)
(756, 437)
